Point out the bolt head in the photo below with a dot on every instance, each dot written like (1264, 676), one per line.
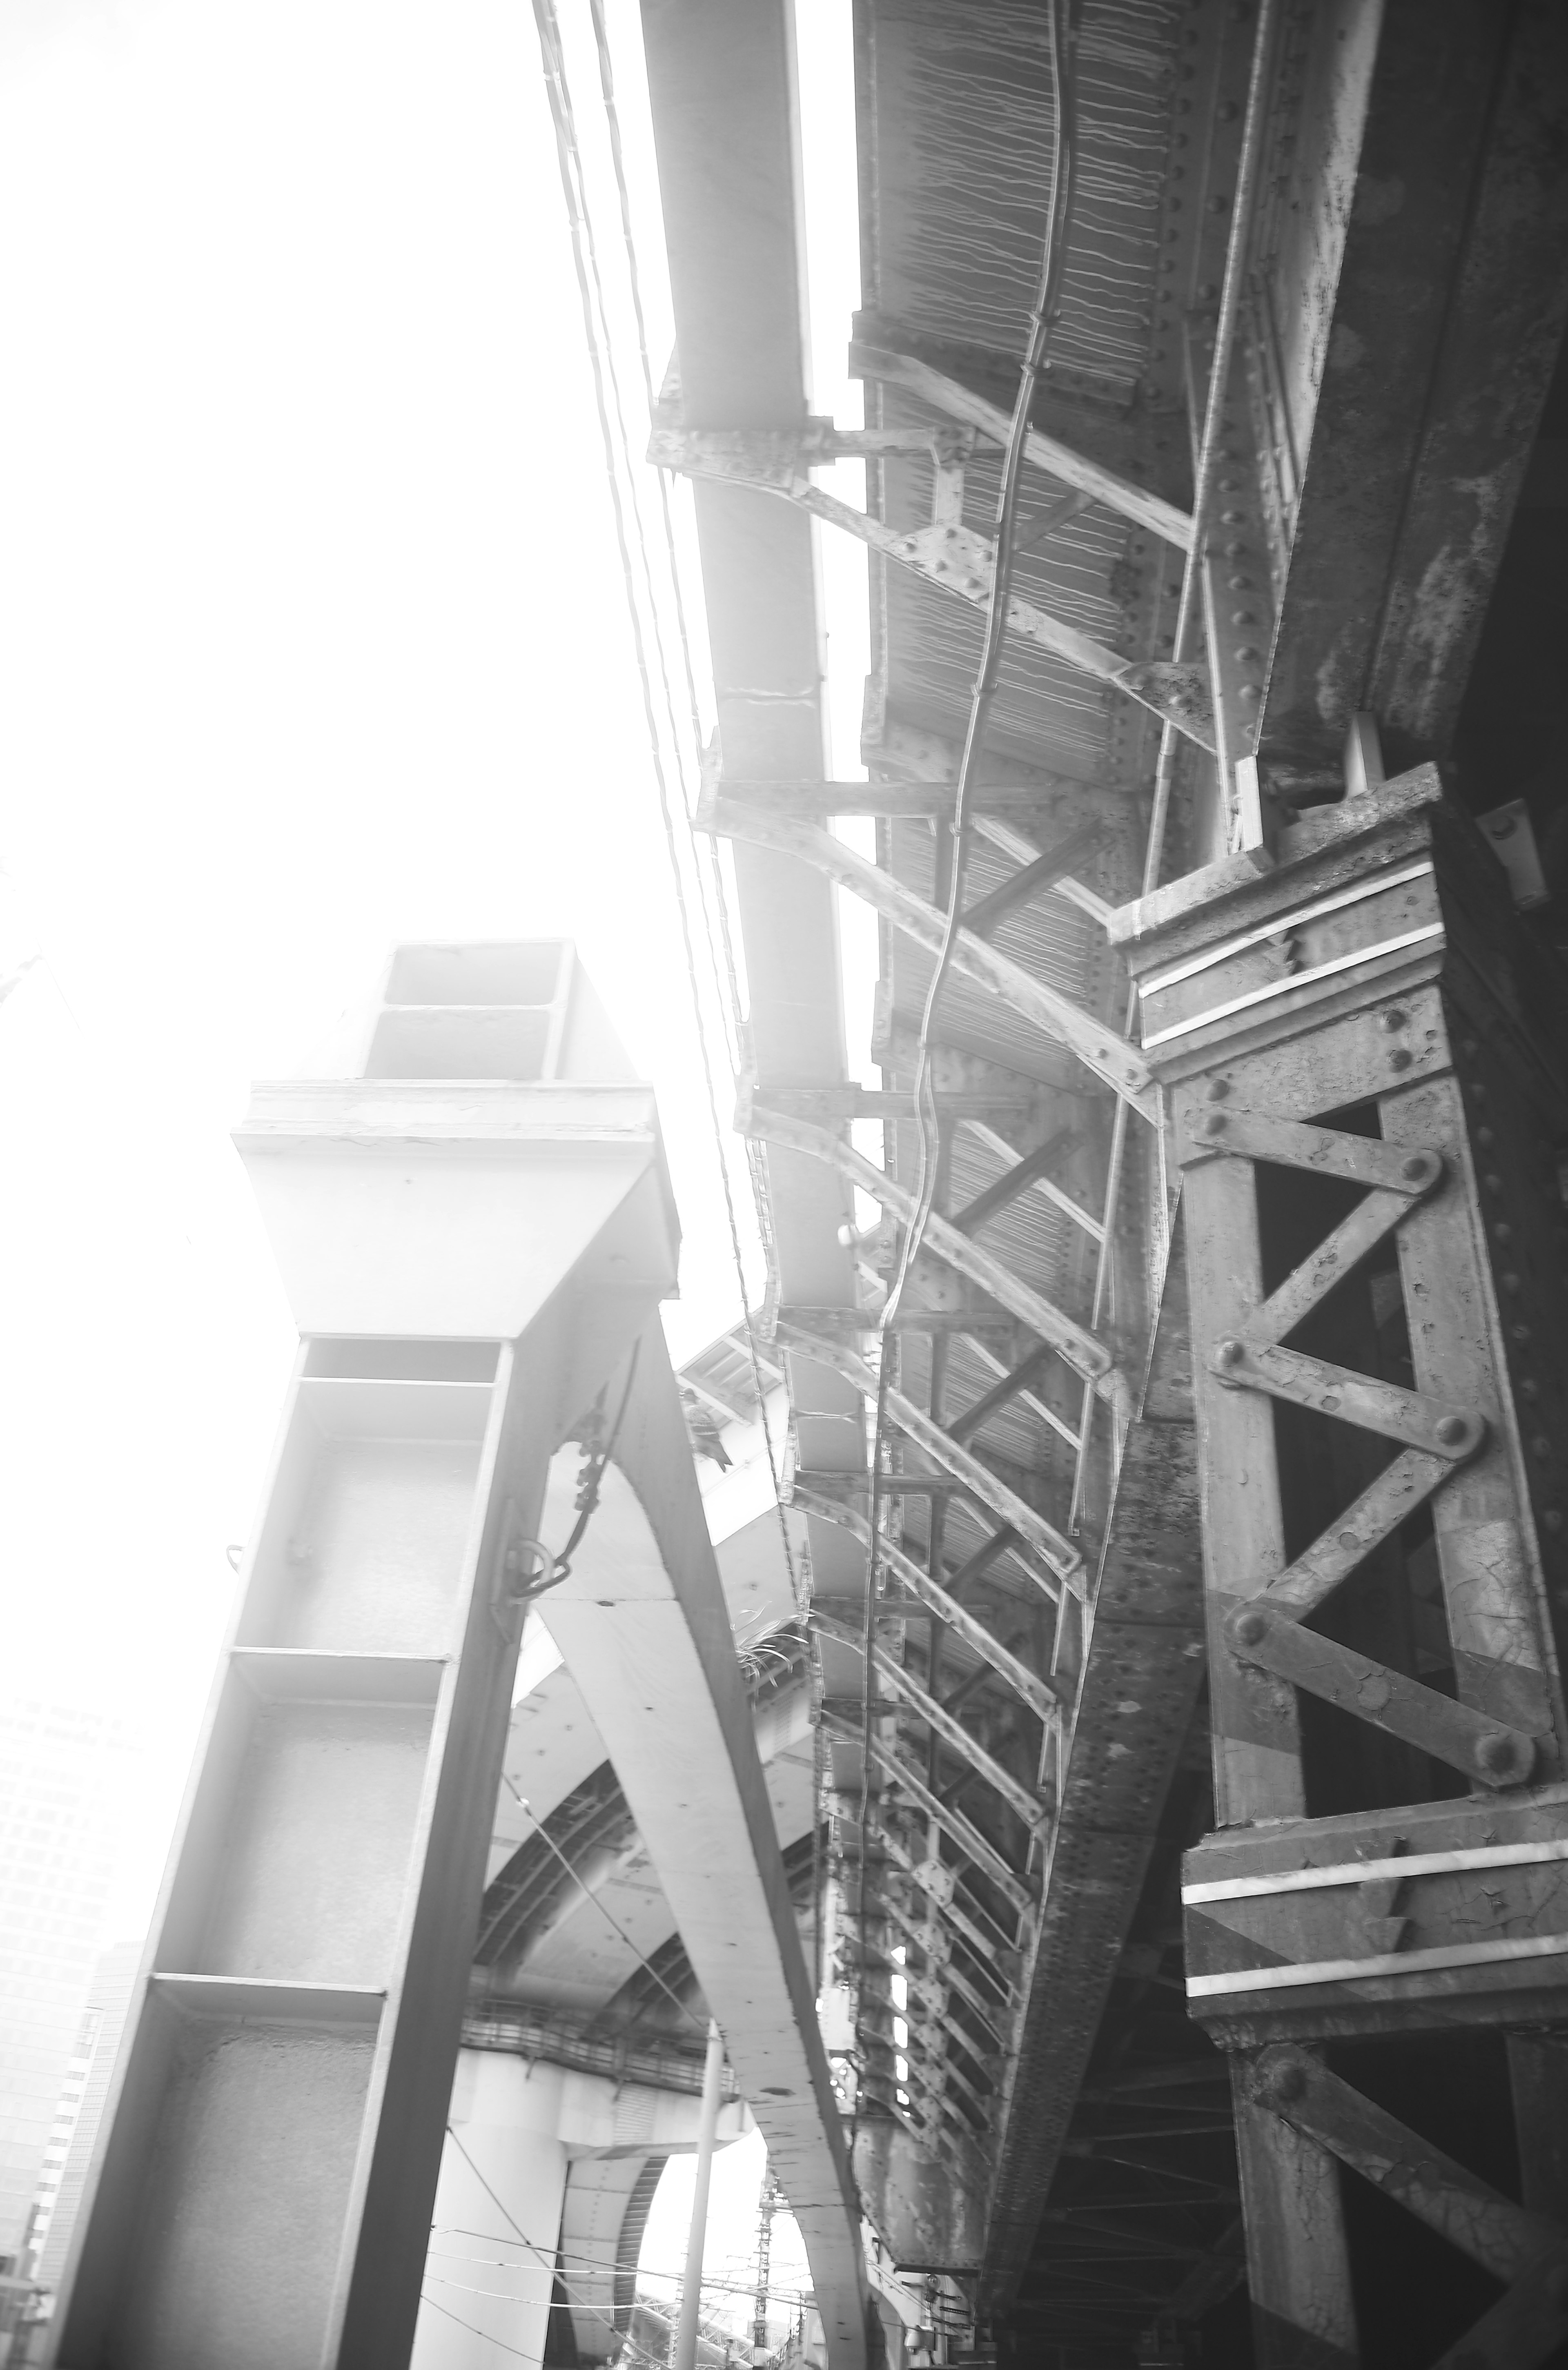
(1553, 1520)
(1216, 1123)
(1218, 1089)
(1419, 1167)
(1251, 1627)
(1402, 1058)
(1453, 1430)
(1231, 1353)
(1391, 1019)
(1503, 1756)
(1282, 2084)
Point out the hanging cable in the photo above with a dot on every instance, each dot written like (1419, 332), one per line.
(606, 389)
(536, 2360)
(649, 1970)
(1043, 321)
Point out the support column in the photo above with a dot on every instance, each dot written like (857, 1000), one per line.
(1357, 1053)
(474, 1224)
(498, 2215)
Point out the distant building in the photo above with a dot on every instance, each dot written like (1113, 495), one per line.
(80, 2108)
(62, 1787)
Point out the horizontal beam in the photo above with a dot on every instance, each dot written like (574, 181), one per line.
(827, 1103)
(1033, 1528)
(814, 802)
(1058, 460)
(865, 1323)
(1103, 1051)
(1030, 1809)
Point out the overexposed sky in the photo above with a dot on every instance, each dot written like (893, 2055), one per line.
(312, 637)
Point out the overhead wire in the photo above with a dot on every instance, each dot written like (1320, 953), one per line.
(607, 397)
(694, 708)
(536, 2360)
(609, 1917)
(1043, 321)
(550, 2263)
(586, 2266)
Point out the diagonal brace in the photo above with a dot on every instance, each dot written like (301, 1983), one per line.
(1101, 1050)
(1043, 1696)
(1478, 2220)
(953, 1824)
(1030, 1809)
(1083, 1351)
(1485, 1749)
(1048, 1542)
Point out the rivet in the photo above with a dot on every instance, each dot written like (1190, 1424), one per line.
(1391, 1019)
(1401, 1059)
(1251, 1628)
(1243, 616)
(1520, 1333)
(1218, 1089)
(1510, 1283)
(1250, 694)
(1503, 1231)
(1247, 653)
(1231, 1353)
(1476, 1089)
(1493, 1182)
(1529, 1388)
(1498, 1756)
(1453, 1430)
(1484, 1136)
(1540, 1445)
(1553, 1520)
(1416, 1167)
(1281, 2086)
(1240, 584)
(1470, 1048)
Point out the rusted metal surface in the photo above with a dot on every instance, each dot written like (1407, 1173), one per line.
(1142, 1667)
(1437, 333)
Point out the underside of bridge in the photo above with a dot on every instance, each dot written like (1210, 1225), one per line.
(1114, 1812)
(1251, 839)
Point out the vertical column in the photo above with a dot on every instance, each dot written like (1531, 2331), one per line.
(498, 2215)
(468, 1255)
(1257, 1745)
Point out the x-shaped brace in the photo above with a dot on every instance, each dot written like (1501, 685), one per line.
(1435, 1437)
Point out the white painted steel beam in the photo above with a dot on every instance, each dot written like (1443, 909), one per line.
(468, 1260)
(643, 1624)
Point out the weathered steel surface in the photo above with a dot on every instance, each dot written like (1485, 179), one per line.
(1142, 1668)
(1436, 347)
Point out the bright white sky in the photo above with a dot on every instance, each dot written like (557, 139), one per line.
(312, 639)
